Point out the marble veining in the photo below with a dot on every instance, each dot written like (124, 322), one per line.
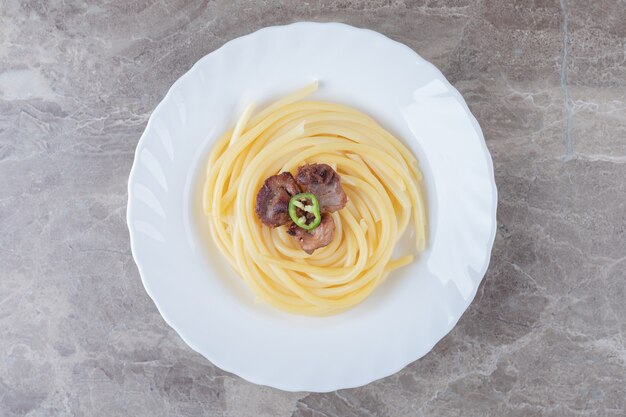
(566, 96)
(546, 79)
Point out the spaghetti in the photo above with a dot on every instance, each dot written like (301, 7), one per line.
(380, 177)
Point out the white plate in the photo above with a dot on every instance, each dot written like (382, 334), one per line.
(210, 306)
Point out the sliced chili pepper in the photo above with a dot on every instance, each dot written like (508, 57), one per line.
(307, 203)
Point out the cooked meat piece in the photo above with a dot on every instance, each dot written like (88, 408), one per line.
(319, 237)
(325, 183)
(272, 200)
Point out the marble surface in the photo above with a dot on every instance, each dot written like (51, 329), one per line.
(545, 335)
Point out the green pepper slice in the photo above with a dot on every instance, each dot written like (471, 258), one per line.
(306, 202)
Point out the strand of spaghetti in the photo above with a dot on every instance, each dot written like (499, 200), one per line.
(399, 263)
(241, 123)
(285, 101)
(218, 148)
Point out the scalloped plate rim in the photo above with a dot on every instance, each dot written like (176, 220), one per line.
(242, 372)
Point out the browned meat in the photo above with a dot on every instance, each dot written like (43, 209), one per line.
(325, 183)
(319, 237)
(272, 200)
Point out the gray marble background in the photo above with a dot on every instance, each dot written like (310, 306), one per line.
(545, 334)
